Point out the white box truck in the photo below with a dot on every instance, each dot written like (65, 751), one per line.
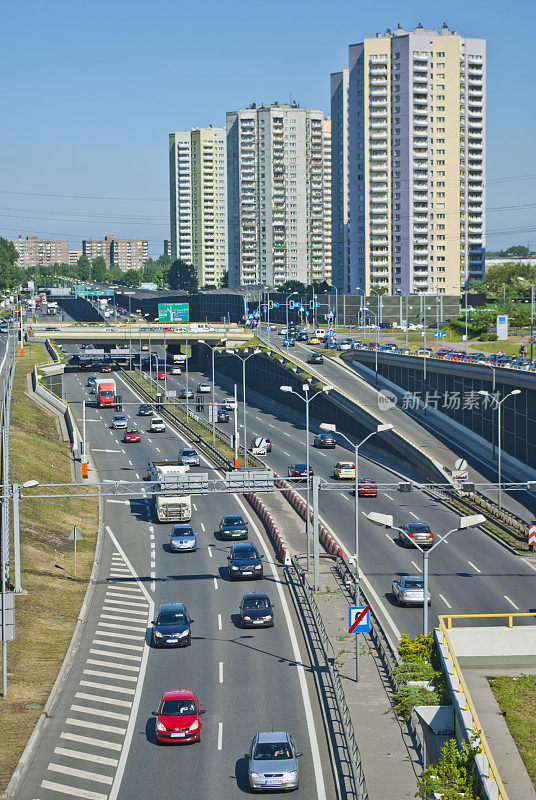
(170, 504)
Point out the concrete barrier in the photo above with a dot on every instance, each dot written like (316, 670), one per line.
(271, 527)
(300, 505)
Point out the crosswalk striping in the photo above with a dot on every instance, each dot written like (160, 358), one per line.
(109, 673)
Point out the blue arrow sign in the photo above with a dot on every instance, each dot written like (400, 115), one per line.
(440, 335)
(275, 305)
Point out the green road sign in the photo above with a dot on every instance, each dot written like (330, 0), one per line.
(173, 312)
(81, 292)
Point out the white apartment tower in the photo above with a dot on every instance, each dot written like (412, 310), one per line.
(416, 162)
(198, 201)
(279, 197)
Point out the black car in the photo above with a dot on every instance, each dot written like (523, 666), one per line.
(222, 416)
(244, 561)
(171, 628)
(233, 527)
(83, 366)
(256, 611)
(145, 410)
(325, 440)
(315, 358)
(302, 336)
(299, 471)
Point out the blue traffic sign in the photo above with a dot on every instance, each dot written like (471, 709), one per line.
(358, 619)
(440, 335)
(275, 305)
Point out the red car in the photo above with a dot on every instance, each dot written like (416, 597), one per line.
(367, 488)
(179, 717)
(161, 376)
(132, 435)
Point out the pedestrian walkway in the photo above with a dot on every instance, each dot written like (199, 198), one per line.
(390, 761)
(86, 757)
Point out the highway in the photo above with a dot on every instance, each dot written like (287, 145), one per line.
(247, 680)
(468, 573)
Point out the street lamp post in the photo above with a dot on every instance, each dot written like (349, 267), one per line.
(336, 314)
(369, 311)
(243, 359)
(212, 349)
(531, 315)
(379, 429)
(386, 521)
(485, 393)
(306, 388)
(286, 304)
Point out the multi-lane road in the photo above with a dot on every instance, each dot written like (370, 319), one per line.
(101, 743)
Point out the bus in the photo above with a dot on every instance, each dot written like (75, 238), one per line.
(177, 359)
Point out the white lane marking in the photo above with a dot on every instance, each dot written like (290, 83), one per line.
(100, 712)
(287, 454)
(81, 773)
(219, 622)
(215, 583)
(123, 619)
(271, 426)
(220, 735)
(530, 564)
(389, 537)
(114, 600)
(130, 462)
(445, 601)
(63, 751)
(106, 688)
(114, 654)
(143, 667)
(194, 506)
(157, 449)
(387, 495)
(74, 737)
(111, 665)
(311, 726)
(475, 568)
(119, 502)
(220, 671)
(119, 644)
(72, 791)
(414, 515)
(416, 566)
(153, 564)
(285, 433)
(202, 526)
(209, 551)
(99, 674)
(511, 602)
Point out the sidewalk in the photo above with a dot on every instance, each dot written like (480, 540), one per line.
(390, 761)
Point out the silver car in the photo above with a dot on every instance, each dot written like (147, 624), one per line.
(408, 590)
(273, 762)
(119, 421)
(182, 538)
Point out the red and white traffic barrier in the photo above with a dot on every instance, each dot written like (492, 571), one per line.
(299, 504)
(271, 527)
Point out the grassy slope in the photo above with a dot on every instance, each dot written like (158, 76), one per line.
(517, 700)
(46, 616)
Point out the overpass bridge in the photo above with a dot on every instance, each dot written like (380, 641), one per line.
(108, 333)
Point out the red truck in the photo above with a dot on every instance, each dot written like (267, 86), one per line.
(105, 392)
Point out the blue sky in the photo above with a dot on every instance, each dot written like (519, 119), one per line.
(90, 92)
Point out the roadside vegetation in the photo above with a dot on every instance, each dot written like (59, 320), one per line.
(46, 615)
(516, 697)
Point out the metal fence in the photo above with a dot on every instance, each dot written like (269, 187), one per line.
(349, 764)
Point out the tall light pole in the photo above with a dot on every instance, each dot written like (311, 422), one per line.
(129, 326)
(335, 316)
(531, 314)
(306, 388)
(379, 429)
(212, 349)
(386, 521)
(485, 393)
(243, 359)
(369, 311)
(410, 308)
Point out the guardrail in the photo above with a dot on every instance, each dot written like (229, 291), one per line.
(488, 773)
(351, 765)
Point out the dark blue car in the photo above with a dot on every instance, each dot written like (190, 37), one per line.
(171, 628)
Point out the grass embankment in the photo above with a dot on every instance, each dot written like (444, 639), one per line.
(179, 410)
(45, 617)
(517, 700)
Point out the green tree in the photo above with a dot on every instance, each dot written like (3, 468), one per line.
(378, 291)
(10, 274)
(152, 272)
(131, 277)
(224, 280)
(114, 274)
(508, 274)
(83, 271)
(292, 286)
(183, 276)
(98, 269)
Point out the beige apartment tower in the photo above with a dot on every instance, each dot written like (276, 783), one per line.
(198, 201)
(279, 195)
(409, 155)
(34, 252)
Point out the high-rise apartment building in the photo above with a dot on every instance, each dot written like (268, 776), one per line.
(279, 174)
(340, 242)
(198, 201)
(74, 255)
(123, 253)
(34, 252)
(416, 162)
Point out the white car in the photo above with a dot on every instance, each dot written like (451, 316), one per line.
(145, 347)
(204, 388)
(229, 404)
(282, 331)
(157, 425)
(320, 333)
(175, 371)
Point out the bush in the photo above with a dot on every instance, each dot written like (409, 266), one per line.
(409, 696)
(421, 648)
(413, 671)
(453, 775)
(492, 337)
